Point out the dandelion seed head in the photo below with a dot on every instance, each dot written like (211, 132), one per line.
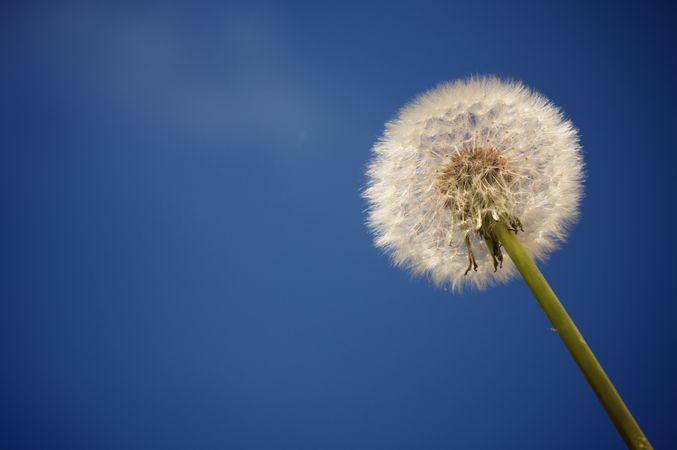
(463, 155)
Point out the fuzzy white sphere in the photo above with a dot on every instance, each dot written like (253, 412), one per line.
(464, 154)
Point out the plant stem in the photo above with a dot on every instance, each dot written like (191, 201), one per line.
(565, 327)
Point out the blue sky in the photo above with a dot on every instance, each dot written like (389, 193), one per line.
(185, 263)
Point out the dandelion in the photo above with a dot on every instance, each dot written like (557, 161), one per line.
(461, 157)
(475, 167)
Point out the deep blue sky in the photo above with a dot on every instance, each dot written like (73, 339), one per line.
(184, 258)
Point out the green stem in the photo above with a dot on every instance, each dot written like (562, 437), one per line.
(565, 327)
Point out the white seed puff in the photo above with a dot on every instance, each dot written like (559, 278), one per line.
(465, 154)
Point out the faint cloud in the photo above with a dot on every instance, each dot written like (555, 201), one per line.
(221, 75)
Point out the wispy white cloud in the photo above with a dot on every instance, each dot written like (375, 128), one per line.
(224, 75)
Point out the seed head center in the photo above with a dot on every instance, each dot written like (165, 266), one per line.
(474, 184)
(471, 169)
